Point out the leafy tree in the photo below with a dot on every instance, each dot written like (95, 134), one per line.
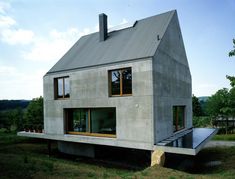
(201, 121)
(15, 116)
(232, 52)
(197, 110)
(34, 113)
(218, 105)
(216, 102)
(232, 80)
(4, 120)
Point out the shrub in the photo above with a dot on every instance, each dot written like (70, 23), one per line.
(202, 121)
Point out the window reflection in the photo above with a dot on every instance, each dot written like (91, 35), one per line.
(62, 87)
(178, 117)
(121, 82)
(127, 81)
(79, 121)
(103, 120)
(115, 83)
(94, 120)
(66, 87)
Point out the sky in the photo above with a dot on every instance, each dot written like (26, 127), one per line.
(34, 35)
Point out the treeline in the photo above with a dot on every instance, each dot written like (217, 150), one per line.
(13, 104)
(20, 114)
(218, 110)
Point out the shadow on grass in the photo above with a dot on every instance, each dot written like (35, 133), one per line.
(112, 157)
(208, 161)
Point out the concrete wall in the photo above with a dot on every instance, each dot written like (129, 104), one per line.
(89, 89)
(86, 150)
(172, 81)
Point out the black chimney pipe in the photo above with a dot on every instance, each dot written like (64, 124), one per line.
(103, 27)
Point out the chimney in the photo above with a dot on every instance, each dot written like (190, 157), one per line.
(103, 27)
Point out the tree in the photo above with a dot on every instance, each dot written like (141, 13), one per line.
(232, 52)
(34, 112)
(232, 80)
(197, 110)
(218, 105)
(15, 116)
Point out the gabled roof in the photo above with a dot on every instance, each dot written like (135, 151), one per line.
(132, 43)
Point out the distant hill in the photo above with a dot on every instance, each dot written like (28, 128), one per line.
(203, 98)
(12, 104)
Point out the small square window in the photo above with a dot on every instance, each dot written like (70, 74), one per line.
(62, 87)
(120, 82)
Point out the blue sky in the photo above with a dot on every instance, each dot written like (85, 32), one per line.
(35, 34)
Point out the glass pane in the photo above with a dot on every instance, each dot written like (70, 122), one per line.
(127, 81)
(60, 88)
(66, 87)
(180, 117)
(174, 118)
(103, 120)
(80, 120)
(115, 82)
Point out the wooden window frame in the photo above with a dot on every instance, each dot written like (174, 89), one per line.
(56, 88)
(89, 133)
(177, 118)
(121, 82)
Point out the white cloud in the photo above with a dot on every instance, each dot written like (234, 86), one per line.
(4, 6)
(10, 33)
(204, 89)
(54, 46)
(6, 21)
(19, 36)
(124, 21)
(7, 70)
(15, 83)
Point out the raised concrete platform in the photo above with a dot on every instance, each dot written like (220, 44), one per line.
(88, 140)
(188, 142)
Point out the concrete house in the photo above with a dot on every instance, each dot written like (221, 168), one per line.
(126, 87)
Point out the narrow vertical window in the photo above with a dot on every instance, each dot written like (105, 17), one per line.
(115, 83)
(126, 81)
(62, 87)
(178, 117)
(120, 82)
(66, 88)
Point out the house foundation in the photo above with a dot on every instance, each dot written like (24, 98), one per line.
(158, 157)
(79, 149)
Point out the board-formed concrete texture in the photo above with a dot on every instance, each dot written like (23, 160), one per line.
(171, 81)
(89, 88)
(153, 47)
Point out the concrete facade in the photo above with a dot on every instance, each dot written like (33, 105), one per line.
(89, 89)
(171, 81)
(159, 82)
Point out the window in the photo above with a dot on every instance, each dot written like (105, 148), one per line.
(62, 87)
(178, 117)
(95, 122)
(120, 82)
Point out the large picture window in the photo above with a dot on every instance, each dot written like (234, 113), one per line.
(62, 87)
(178, 117)
(120, 82)
(95, 121)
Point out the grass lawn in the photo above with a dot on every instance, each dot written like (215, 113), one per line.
(27, 158)
(225, 137)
